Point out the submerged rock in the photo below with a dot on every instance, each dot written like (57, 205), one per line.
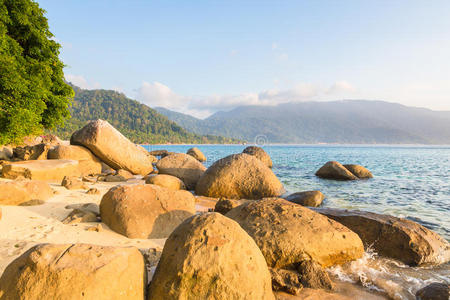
(260, 154)
(167, 181)
(239, 176)
(288, 233)
(75, 271)
(308, 198)
(113, 148)
(197, 154)
(393, 237)
(335, 170)
(217, 260)
(359, 171)
(145, 211)
(182, 166)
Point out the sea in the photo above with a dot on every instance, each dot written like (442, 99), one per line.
(410, 182)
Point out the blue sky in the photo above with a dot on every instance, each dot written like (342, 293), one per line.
(202, 56)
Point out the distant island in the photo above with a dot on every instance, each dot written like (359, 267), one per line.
(138, 122)
(344, 122)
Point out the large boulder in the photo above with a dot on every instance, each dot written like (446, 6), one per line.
(335, 170)
(239, 176)
(23, 191)
(53, 169)
(393, 237)
(167, 181)
(145, 211)
(210, 257)
(88, 163)
(113, 148)
(288, 233)
(308, 198)
(197, 154)
(35, 152)
(183, 166)
(359, 171)
(75, 271)
(260, 154)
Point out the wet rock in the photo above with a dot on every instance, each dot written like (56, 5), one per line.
(53, 169)
(183, 166)
(217, 260)
(308, 198)
(24, 192)
(260, 154)
(108, 144)
(239, 176)
(288, 233)
(393, 237)
(197, 154)
(75, 271)
(145, 211)
(336, 171)
(434, 291)
(88, 163)
(167, 181)
(285, 281)
(314, 276)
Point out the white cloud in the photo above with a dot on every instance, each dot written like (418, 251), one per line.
(82, 82)
(157, 94)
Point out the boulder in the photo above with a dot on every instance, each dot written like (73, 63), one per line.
(36, 152)
(314, 276)
(308, 198)
(107, 170)
(51, 139)
(336, 171)
(183, 166)
(124, 173)
(88, 163)
(108, 144)
(145, 211)
(73, 183)
(167, 181)
(239, 176)
(210, 257)
(394, 237)
(160, 153)
(286, 281)
(260, 154)
(359, 171)
(23, 191)
(434, 291)
(223, 206)
(288, 233)
(197, 154)
(75, 271)
(6, 153)
(53, 169)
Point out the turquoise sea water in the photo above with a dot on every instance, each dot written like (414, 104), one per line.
(409, 181)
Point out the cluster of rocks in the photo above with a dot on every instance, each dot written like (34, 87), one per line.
(252, 244)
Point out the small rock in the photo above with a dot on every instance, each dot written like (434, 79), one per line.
(32, 202)
(286, 281)
(114, 178)
(73, 183)
(308, 198)
(97, 228)
(90, 179)
(85, 213)
(314, 276)
(93, 191)
(225, 205)
(434, 291)
(124, 173)
(167, 181)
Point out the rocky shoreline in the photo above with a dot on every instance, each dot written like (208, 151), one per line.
(225, 232)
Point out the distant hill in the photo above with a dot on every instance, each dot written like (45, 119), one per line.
(135, 120)
(347, 121)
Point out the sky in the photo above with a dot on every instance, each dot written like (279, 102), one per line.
(198, 57)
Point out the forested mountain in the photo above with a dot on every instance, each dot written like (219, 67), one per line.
(135, 120)
(349, 121)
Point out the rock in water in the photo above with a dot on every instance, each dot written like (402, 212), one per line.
(210, 257)
(308, 198)
(336, 171)
(260, 154)
(88, 163)
(167, 181)
(182, 166)
(434, 291)
(393, 237)
(145, 211)
(288, 233)
(113, 148)
(75, 271)
(197, 154)
(359, 171)
(53, 169)
(24, 191)
(239, 176)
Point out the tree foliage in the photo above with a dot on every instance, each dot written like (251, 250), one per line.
(33, 94)
(138, 122)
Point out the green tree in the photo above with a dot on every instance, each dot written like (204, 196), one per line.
(33, 94)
